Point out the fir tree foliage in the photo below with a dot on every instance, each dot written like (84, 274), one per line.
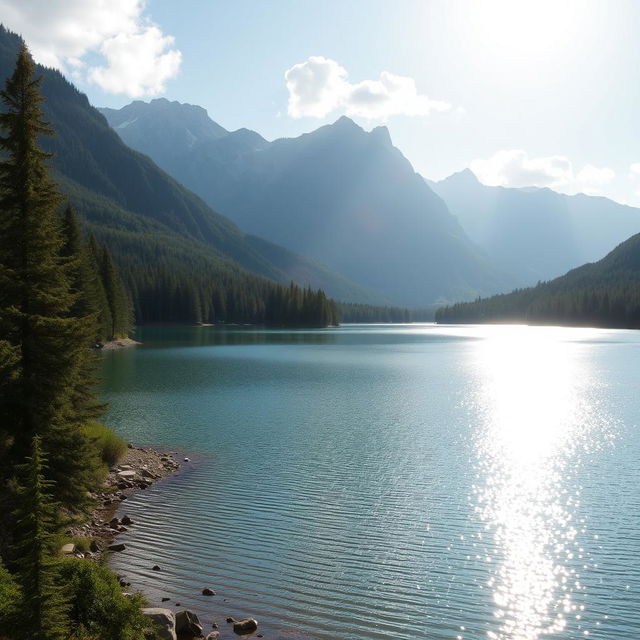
(43, 345)
(44, 606)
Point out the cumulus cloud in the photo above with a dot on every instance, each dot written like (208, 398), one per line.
(137, 58)
(319, 86)
(634, 171)
(515, 168)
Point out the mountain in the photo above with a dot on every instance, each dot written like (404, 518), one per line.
(534, 233)
(339, 195)
(151, 223)
(601, 294)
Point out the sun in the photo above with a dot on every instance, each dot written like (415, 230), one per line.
(520, 30)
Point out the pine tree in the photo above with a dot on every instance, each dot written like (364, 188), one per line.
(105, 321)
(45, 346)
(119, 303)
(44, 606)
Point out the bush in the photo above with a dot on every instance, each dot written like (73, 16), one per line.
(10, 598)
(110, 446)
(99, 610)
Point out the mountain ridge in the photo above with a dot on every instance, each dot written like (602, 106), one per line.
(346, 198)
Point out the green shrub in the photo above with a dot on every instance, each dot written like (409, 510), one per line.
(10, 598)
(110, 446)
(99, 610)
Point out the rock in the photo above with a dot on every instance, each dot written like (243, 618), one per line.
(214, 625)
(188, 625)
(245, 626)
(166, 599)
(126, 520)
(147, 474)
(163, 621)
(156, 568)
(68, 549)
(214, 635)
(122, 529)
(208, 592)
(94, 546)
(125, 467)
(187, 460)
(130, 474)
(116, 547)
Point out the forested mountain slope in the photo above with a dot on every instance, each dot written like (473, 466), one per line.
(601, 294)
(158, 231)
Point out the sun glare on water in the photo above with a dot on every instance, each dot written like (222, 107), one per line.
(537, 423)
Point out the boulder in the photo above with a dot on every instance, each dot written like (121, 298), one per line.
(188, 625)
(126, 520)
(208, 592)
(116, 547)
(214, 635)
(130, 474)
(156, 568)
(94, 546)
(163, 621)
(245, 626)
(68, 549)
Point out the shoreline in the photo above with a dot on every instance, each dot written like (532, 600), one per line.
(138, 469)
(121, 343)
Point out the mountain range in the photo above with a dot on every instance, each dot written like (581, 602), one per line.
(151, 222)
(536, 233)
(339, 195)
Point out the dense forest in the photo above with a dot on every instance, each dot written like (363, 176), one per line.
(59, 294)
(603, 294)
(354, 312)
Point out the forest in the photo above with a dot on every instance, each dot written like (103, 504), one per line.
(601, 294)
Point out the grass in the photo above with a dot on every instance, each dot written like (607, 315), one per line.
(110, 445)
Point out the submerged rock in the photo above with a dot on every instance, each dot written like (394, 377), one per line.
(117, 547)
(208, 592)
(163, 621)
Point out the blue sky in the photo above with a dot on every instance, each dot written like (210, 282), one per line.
(525, 92)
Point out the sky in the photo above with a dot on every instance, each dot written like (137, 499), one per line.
(524, 92)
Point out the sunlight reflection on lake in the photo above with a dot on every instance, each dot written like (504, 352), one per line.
(538, 421)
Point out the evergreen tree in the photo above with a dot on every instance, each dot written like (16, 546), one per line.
(105, 321)
(44, 607)
(45, 346)
(119, 303)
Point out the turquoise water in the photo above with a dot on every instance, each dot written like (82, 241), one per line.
(405, 481)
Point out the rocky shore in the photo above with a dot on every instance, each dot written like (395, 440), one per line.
(138, 469)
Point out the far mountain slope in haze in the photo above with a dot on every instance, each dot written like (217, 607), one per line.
(534, 233)
(339, 195)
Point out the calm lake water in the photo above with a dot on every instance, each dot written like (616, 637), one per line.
(403, 481)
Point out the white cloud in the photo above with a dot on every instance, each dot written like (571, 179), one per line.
(515, 168)
(634, 170)
(319, 86)
(138, 57)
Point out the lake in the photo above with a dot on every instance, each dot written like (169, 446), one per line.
(389, 481)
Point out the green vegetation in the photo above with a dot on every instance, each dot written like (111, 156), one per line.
(55, 293)
(352, 312)
(109, 446)
(98, 608)
(602, 294)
